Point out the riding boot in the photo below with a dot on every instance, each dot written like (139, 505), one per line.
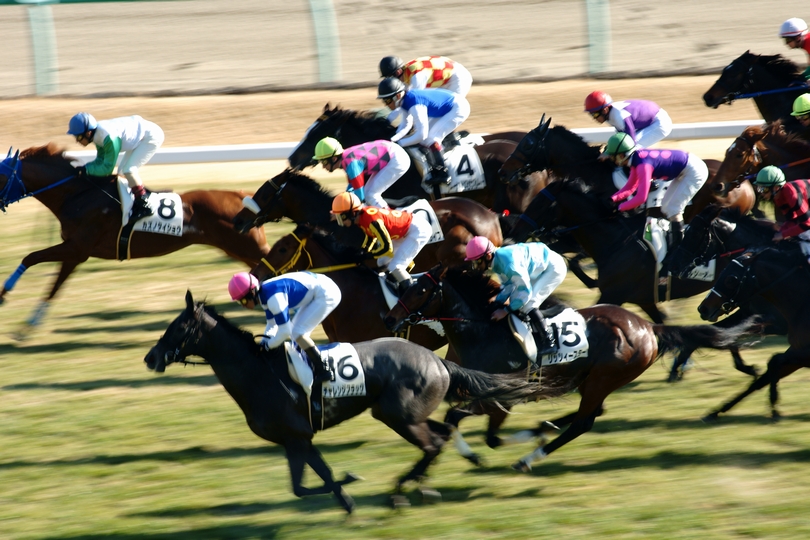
(544, 336)
(320, 372)
(438, 169)
(140, 208)
(675, 235)
(400, 279)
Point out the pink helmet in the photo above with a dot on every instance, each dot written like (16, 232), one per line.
(241, 284)
(478, 247)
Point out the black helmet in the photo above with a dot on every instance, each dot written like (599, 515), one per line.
(388, 87)
(389, 65)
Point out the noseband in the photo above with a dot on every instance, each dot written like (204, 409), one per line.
(417, 315)
(252, 205)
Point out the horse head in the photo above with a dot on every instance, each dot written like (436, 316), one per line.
(422, 299)
(180, 337)
(526, 157)
(742, 161)
(733, 288)
(697, 239)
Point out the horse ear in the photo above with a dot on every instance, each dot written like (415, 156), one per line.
(9, 151)
(189, 300)
(542, 120)
(15, 158)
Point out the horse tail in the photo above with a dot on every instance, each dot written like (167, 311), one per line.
(707, 336)
(467, 385)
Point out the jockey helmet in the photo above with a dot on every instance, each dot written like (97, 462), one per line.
(597, 101)
(770, 176)
(81, 123)
(793, 27)
(389, 87)
(619, 143)
(326, 148)
(801, 105)
(478, 247)
(241, 284)
(389, 65)
(345, 202)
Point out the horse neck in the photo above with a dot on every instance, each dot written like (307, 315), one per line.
(359, 130)
(566, 153)
(305, 205)
(598, 236)
(36, 176)
(786, 286)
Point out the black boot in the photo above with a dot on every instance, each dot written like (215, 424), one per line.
(140, 209)
(438, 169)
(320, 372)
(675, 235)
(544, 336)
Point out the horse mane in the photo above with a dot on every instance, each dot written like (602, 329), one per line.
(777, 65)
(238, 334)
(574, 140)
(372, 122)
(329, 242)
(49, 154)
(775, 132)
(308, 184)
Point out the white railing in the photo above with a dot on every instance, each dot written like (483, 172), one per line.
(271, 151)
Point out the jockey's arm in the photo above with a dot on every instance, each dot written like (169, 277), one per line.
(640, 178)
(384, 246)
(278, 327)
(419, 80)
(106, 157)
(421, 126)
(356, 173)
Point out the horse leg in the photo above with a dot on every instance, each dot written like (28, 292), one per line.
(787, 363)
(739, 363)
(547, 426)
(453, 418)
(302, 451)
(430, 436)
(676, 372)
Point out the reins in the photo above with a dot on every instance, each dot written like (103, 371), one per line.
(290, 264)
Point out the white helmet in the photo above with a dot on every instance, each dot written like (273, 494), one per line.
(792, 28)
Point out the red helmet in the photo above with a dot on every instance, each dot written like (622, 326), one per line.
(596, 101)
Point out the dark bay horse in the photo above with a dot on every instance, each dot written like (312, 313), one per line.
(89, 213)
(359, 316)
(781, 277)
(722, 233)
(404, 383)
(766, 79)
(356, 127)
(565, 154)
(622, 346)
(301, 199)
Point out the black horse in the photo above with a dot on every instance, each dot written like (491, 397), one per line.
(356, 127)
(622, 346)
(722, 234)
(781, 277)
(404, 383)
(768, 78)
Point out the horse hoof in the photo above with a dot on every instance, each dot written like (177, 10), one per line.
(674, 377)
(22, 333)
(430, 496)
(399, 501)
(710, 418)
(348, 478)
(546, 426)
(775, 417)
(522, 466)
(493, 441)
(475, 459)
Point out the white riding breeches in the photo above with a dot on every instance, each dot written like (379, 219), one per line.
(658, 130)
(440, 127)
(141, 154)
(804, 243)
(393, 171)
(547, 282)
(407, 248)
(324, 298)
(684, 187)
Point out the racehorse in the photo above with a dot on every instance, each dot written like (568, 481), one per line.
(781, 277)
(765, 78)
(298, 197)
(89, 213)
(722, 233)
(356, 127)
(564, 153)
(404, 384)
(622, 346)
(758, 146)
(359, 316)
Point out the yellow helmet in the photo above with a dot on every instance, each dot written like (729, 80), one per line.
(326, 148)
(345, 202)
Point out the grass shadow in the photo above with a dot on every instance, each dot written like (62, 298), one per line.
(85, 386)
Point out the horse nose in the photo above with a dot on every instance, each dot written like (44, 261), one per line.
(391, 324)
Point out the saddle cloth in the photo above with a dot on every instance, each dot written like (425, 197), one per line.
(422, 205)
(350, 379)
(167, 217)
(572, 337)
(463, 164)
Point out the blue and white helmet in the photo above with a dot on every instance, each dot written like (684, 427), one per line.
(81, 123)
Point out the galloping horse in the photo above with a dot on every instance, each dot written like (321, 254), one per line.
(301, 199)
(359, 315)
(356, 127)
(783, 279)
(722, 233)
(758, 146)
(564, 153)
(89, 213)
(622, 346)
(404, 384)
(766, 79)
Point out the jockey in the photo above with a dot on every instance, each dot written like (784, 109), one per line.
(371, 167)
(794, 32)
(528, 274)
(644, 121)
(433, 112)
(139, 139)
(428, 72)
(295, 304)
(397, 234)
(801, 109)
(792, 199)
(686, 172)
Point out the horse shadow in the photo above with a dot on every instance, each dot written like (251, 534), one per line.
(98, 384)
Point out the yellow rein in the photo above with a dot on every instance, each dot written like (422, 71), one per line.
(289, 265)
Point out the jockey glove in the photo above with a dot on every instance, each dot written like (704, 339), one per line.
(81, 172)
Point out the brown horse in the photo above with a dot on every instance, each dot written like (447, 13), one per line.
(357, 127)
(359, 315)
(301, 199)
(89, 213)
(622, 346)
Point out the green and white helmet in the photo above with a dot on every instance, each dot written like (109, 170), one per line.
(801, 105)
(620, 143)
(770, 176)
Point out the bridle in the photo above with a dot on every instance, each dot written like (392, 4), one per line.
(261, 212)
(416, 315)
(15, 190)
(754, 163)
(296, 256)
(191, 337)
(526, 154)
